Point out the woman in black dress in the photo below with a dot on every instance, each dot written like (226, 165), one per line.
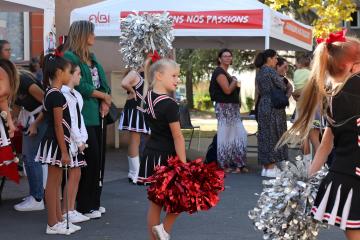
(335, 61)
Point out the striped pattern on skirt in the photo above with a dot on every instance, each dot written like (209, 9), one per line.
(149, 160)
(133, 120)
(337, 201)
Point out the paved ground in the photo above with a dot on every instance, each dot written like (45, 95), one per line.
(126, 217)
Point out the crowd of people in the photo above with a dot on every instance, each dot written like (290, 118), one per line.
(62, 112)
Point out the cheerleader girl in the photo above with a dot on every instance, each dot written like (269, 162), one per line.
(133, 120)
(337, 62)
(9, 83)
(54, 148)
(78, 138)
(166, 139)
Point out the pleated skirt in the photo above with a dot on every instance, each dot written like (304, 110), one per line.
(149, 160)
(338, 201)
(133, 120)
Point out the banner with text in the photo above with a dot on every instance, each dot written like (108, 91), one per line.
(225, 19)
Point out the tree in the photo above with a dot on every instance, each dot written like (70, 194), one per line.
(325, 15)
(198, 64)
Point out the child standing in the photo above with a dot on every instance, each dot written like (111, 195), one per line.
(133, 120)
(336, 60)
(9, 83)
(166, 139)
(54, 148)
(78, 138)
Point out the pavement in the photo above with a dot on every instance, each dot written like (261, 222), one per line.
(127, 205)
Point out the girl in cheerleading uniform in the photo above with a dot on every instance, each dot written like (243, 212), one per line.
(133, 120)
(336, 62)
(54, 148)
(166, 139)
(78, 138)
(9, 83)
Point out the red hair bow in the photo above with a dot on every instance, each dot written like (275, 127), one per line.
(58, 53)
(154, 56)
(333, 37)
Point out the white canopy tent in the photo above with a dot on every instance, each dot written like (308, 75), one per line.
(45, 6)
(246, 24)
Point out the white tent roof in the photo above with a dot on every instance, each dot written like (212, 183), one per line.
(246, 24)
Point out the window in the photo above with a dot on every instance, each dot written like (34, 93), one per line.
(355, 20)
(14, 28)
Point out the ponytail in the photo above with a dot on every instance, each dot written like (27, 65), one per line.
(329, 60)
(262, 57)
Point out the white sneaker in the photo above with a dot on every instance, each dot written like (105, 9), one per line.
(263, 172)
(102, 210)
(273, 173)
(72, 227)
(30, 204)
(93, 214)
(58, 228)
(160, 232)
(76, 217)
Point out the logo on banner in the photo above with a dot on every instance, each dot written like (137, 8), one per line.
(99, 18)
(222, 19)
(297, 31)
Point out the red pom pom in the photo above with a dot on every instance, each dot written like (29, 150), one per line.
(8, 170)
(186, 187)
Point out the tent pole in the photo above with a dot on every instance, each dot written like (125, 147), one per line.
(267, 42)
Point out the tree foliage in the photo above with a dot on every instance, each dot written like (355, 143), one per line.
(324, 15)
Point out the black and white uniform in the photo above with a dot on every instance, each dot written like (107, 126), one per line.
(78, 133)
(4, 135)
(338, 198)
(49, 151)
(131, 118)
(161, 110)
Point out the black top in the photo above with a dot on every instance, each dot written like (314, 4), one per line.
(24, 98)
(54, 99)
(345, 111)
(165, 111)
(217, 94)
(139, 88)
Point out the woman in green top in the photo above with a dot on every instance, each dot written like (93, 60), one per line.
(95, 92)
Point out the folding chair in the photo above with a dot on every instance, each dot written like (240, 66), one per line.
(185, 123)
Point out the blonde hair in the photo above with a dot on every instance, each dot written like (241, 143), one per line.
(77, 40)
(329, 60)
(152, 68)
(13, 76)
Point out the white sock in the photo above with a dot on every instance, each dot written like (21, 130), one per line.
(134, 166)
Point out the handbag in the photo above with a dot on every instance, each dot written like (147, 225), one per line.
(279, 100)
(113, 115)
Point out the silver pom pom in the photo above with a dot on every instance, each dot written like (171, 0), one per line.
(144, 33)
(283, 211)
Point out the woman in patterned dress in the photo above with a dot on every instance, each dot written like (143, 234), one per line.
(271, 121)
(231, 135)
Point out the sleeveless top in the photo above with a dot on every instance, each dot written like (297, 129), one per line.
(217, 94)
(345, 125)
(138, 88)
